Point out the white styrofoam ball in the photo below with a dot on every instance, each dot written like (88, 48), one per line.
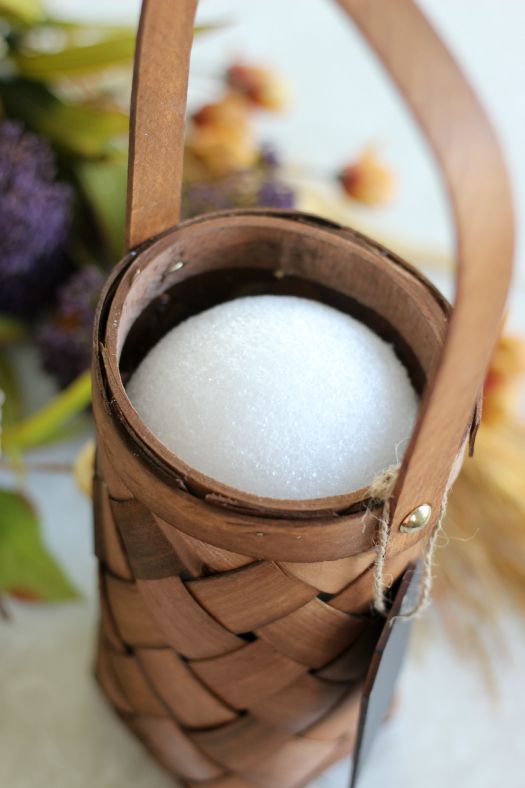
(278, 396)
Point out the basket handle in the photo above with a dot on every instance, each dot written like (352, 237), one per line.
(472, 167)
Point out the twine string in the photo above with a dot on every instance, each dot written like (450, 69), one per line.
(382, 489)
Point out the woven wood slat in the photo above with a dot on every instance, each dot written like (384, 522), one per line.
(241, 744)
(173, 749)
(131, 679)
(149, 553)
(352, 664)
(108, 546)
(313, 634)
(107, 622)
(300, 705)
(134, 624)
(106, 678)
(187, 699)
(192, 632)
(330, 577)
(225, 595)
(249, 674)
(198, 557)
(341, 723)
(105, 470)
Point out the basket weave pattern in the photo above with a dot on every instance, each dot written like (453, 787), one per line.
(233, 671)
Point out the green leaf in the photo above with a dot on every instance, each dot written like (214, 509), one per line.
(115, 49)
(46, 423)
(25, 12)
(84, 130)
(27, 570)
(210, 27)
(104, 184)
(78, 129)
(75, 27)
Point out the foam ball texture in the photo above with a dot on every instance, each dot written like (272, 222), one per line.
(278, 396)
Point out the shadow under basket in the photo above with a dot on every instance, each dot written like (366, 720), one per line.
(236, 631)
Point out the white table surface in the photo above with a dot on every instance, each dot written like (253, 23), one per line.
(55, 730)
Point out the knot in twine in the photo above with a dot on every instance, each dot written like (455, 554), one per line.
(382, 489)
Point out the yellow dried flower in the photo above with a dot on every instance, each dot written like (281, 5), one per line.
(221, 140)
(368, 180)
(502, 385)
(222, 149)
(83, 468)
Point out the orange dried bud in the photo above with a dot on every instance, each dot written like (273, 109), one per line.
(368, 180)
(23, 594)
(259, 85)
(232, 110)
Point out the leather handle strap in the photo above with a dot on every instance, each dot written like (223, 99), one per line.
(158, 110)
(467, 151)
(473, 170)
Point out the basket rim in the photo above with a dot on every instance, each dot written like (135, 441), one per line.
(107, 318)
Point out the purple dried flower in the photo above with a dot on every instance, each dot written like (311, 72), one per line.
(205, 197)
(35, 213)
(251, 188)
(77, 298)
(274, 194)
(236, 191)
(269, 156)
(65, 340)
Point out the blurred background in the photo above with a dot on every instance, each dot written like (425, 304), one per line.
(287, 108)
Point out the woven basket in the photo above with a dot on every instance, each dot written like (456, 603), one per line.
(236, 631)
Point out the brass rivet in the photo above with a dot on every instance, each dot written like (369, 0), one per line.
(416, 519)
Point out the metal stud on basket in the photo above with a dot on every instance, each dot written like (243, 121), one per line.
(236, 631)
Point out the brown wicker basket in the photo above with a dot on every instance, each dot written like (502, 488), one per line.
(236, 631)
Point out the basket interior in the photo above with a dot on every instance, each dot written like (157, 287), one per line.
(205, 290)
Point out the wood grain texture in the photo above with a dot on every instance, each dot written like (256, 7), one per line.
(187, 699)
(158, 110)
(226, 595)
